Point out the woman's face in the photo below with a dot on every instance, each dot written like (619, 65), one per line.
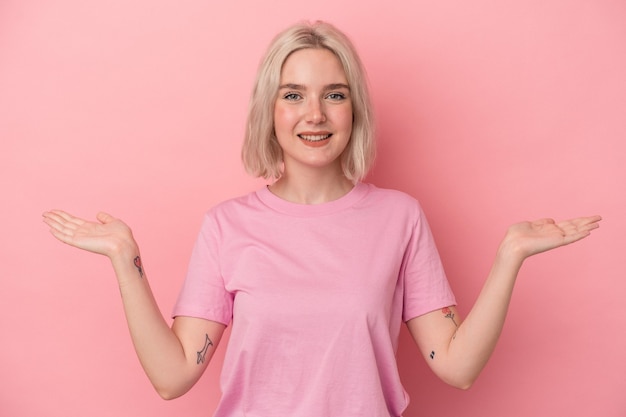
(313, 110)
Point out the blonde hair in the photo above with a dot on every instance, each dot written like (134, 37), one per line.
(261, 154)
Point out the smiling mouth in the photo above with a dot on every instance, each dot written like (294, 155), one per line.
(315, 138)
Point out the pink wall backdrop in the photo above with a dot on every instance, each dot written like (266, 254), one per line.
(490, 112)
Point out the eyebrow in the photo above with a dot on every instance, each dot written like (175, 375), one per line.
(300, 87)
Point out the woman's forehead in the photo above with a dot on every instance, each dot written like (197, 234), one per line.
(312, 66)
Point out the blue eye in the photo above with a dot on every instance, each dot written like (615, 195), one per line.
(291, 96)
(336, 96)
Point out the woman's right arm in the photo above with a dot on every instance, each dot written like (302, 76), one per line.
(173, 358)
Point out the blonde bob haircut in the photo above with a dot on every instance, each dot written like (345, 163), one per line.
(261, 154)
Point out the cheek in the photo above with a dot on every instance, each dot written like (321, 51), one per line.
(347, 119)
(283, 117)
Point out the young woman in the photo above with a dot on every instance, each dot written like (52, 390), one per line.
(317, 271)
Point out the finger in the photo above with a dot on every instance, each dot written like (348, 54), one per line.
(62, 222)
(65, 219)
(52, 222)
(543, 222)
(59, 231)
(62, 235)
(577, 229)
(53, 219)
(104, 217)
(60, 213)
(69, 219)
(582, 223)
(592, 221)
(587, 220)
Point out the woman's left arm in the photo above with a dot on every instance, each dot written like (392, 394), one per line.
(458, 350)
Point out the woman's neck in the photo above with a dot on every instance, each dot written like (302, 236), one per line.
(313, 189)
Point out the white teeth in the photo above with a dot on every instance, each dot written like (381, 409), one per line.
(314, 138)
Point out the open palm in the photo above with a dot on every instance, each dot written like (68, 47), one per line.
(530, 238)
(107, 236)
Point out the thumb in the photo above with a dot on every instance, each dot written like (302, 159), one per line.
(104, 218)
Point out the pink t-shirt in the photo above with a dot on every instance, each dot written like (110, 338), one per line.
(316, 295)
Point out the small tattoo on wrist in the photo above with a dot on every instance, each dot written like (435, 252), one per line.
(137, 262)
(432, 355)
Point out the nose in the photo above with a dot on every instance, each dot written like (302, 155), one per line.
(315, 112)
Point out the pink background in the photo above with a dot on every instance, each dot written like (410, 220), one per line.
(490, 112)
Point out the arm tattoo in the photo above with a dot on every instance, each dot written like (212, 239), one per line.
(202, 353)
(450, 315)
(138, 265)
(447, 313)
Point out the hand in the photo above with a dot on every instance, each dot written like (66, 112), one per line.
(109, 236)
(531, 238)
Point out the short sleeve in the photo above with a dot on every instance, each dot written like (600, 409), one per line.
(426, 287)
(203, 294)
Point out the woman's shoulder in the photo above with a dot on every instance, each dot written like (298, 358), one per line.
(392, 195)
(234, 204)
